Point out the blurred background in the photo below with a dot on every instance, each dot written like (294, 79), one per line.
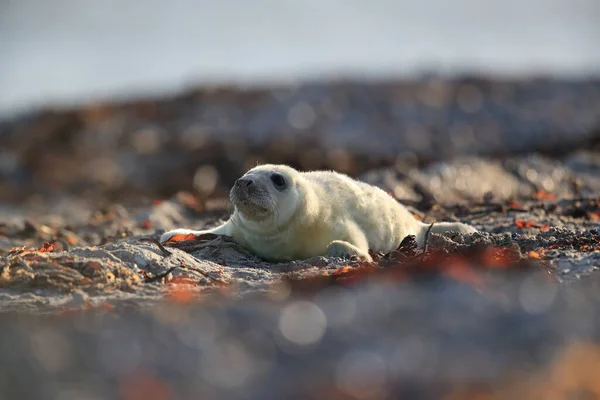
(108, 107)
(120, 101)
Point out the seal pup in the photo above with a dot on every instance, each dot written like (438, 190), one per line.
(282, 214)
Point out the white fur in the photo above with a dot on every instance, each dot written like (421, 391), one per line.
(321, 213)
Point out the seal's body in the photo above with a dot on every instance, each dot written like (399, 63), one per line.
(282, 214)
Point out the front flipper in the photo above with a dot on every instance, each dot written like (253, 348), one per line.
(224, 229)
(339, 248)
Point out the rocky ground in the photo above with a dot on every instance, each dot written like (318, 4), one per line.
(94, 307)
(539, 204)
(505, 299)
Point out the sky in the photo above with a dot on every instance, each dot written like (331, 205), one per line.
(64, 52)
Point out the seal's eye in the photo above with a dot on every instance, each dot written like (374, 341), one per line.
(278, 180)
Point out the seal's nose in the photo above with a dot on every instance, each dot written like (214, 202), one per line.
(245, 182)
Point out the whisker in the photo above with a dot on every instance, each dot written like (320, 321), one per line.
(275, 208)
(231, 209)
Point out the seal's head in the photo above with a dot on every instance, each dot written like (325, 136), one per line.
(267, 193)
